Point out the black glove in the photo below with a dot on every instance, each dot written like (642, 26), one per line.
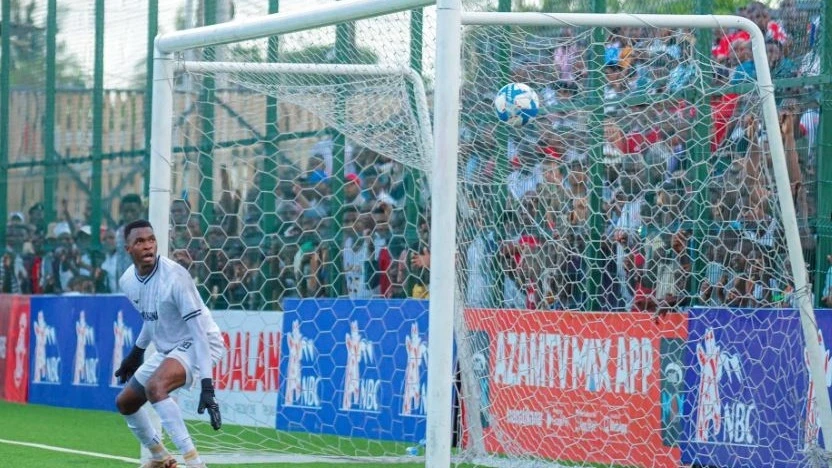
(207, 401)
(130, 364)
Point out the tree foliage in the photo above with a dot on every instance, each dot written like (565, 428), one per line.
(28, 51)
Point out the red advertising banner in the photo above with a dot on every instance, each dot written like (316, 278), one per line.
(5, 309)
(574, 386)
(16, 372)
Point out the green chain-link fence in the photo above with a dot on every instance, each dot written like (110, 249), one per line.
(75, 107)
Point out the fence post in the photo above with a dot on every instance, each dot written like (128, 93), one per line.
(50, 176)
(344, 51)
(701, 155)
(595, 246)
(206, 142)
(823, 174)
(411, 229)
(97, 128)
(5, 97)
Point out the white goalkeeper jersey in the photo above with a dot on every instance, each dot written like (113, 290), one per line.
(166, 299)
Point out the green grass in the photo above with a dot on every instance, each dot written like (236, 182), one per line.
(106, 433)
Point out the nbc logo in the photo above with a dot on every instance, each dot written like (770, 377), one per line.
(724, 413)
(301, 387)
(85, 367)
(359, 391)
(122, 339)
(47, 369)
(415, 386)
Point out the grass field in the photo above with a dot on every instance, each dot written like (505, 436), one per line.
(36, 436)
(105, 434)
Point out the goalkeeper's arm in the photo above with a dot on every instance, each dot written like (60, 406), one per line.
(133, 360)
(203, 360)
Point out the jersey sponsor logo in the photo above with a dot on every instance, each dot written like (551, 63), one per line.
(725, 414)
(415, 375)
(812, 414)
(122, 341)
(360, 392)
(47, 356)
(85, 368)
(302, 380)
(252, 362)
(149, 315)
(20, 350)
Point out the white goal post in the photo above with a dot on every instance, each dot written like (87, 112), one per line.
(443, 148)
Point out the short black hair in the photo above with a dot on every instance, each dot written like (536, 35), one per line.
(139, 223)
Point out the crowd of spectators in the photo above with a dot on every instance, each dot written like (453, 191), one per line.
(654, 218)
(657, 242)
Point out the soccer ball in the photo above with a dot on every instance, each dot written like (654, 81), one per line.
(516, 104)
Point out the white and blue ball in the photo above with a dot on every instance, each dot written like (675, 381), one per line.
(516, 104)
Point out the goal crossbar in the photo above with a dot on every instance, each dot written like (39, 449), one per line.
(282, 23)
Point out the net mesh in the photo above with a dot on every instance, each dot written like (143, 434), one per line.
(294, 187)
(644, 186)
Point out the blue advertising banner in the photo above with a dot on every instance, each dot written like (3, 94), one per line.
(747, 382)
(354, 368)
(76, 344)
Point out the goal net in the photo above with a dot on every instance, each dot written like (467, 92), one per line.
(625, 292)
(298, 202)
(623, 260)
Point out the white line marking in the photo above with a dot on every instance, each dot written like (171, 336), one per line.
(74, 452)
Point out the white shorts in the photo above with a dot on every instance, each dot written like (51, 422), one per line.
(184, 353)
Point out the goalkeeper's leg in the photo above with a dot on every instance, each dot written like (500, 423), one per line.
(130, 403)
(169, 376)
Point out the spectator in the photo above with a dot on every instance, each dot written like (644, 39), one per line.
(780, 65)
(745, 71)
(130, 209)
(14, 279)
(109, 265)
(68, 257)
(480, 265)
(380, 280)
(34, 265)
(357, 247)
(352, 190)
(37, 220)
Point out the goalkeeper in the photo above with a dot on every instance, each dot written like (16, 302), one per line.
(188, 342)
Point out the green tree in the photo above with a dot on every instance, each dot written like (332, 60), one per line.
(28, 50)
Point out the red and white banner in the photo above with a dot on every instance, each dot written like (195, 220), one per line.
(5, 309)
(574, 386)
(247, 378)
(14, 370)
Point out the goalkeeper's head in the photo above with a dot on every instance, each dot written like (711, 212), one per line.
(140, 243)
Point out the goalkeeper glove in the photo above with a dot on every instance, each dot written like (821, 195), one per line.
(207, 401)
(130, 364)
